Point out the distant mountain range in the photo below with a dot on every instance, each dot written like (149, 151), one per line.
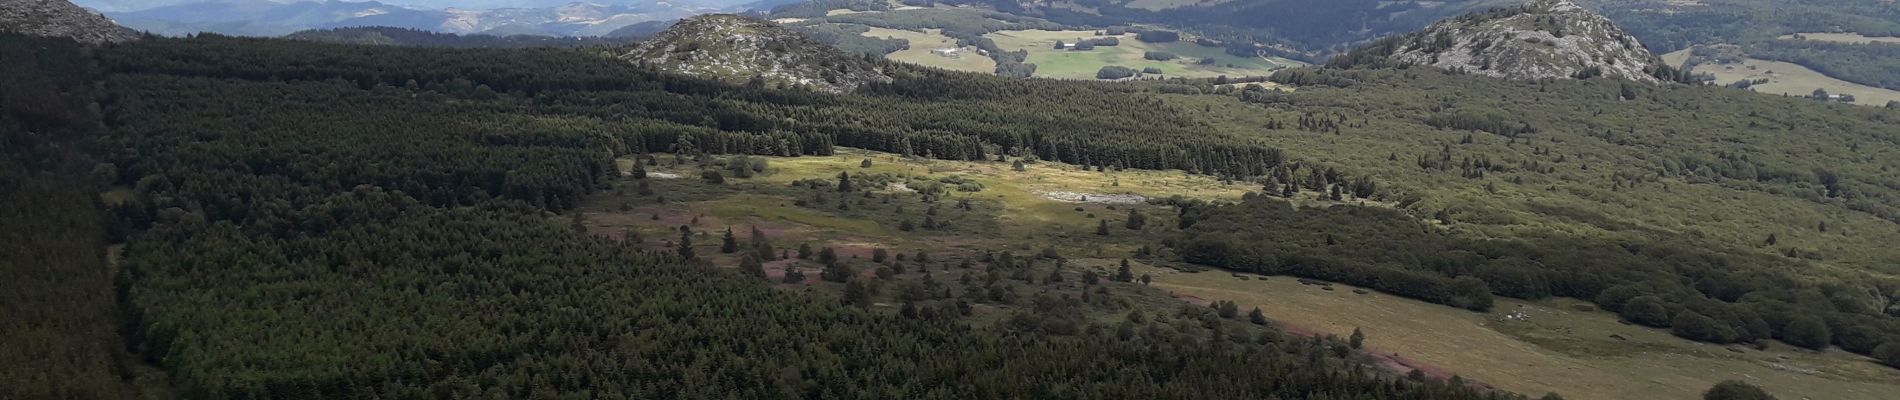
(272, 18)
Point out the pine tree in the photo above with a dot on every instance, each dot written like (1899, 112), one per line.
(844, 181)
(879, 255)
(1257, 317)
(1357, 339)
(827, 256)
(804, 251)
(1091, 278)
(856, 295)
(1125, 274)
(793, 275)
(1135, 220)
(762, 245)
(836, 272)
(686, 243)
(750, 265)
(729, 244)
(1102, 227)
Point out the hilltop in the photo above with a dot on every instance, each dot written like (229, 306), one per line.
(738, 49)
(1541, 40)
(60, 18)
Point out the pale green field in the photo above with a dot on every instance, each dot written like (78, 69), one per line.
(1052, 63)
(922, 44)
(1853, 38)
(1787, 79)
(1158, 5)
(1557, 348)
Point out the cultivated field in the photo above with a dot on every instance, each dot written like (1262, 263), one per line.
(1556, 347)
(1787, 79)
(923, 46)
(1069, 64)
(1853, 38)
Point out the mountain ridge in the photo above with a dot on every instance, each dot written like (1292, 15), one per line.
(1544, 39)
(738, 49)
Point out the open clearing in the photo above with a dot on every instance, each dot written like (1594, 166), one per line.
(1851, 38)
(1787, 79)
(1052, 63)
(923, 46)
(1556, 348)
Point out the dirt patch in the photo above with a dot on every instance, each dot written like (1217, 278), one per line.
(1390, 361)
(775, 271)
(663, 175)
(1099, 198)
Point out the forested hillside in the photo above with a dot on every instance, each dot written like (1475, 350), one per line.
(57, 292)
(378, 224)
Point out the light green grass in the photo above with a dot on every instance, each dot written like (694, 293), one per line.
(923, 44)
(1559, 348)
(1851, 38)
(1067, 64)
(1158, 5)
(1787, 79)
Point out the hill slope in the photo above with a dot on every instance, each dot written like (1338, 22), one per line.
(736, 49)
(60, 18)
(1543, 39)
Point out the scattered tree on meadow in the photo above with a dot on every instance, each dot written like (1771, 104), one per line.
(685, 248)
(729, 244)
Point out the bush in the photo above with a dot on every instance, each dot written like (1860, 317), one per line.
(1159, 55)
(1158, 36)
(1151, 70)
(1114, 72)
(1736, 390)
(1807, 331)
(1888, 353)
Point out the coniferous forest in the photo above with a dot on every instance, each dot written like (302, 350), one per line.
(220, 217)
(307, 220)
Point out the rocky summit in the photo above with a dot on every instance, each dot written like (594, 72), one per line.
(1540, 40)
(60, 18)
(740, 49)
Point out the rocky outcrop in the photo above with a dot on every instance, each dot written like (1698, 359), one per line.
(741, 49)
(60, 18)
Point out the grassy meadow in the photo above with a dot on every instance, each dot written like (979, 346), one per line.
(1850, 38)
(1788, 79)
(1562, 345)
(1067, 64)
(921, 51)
(1558, 347)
